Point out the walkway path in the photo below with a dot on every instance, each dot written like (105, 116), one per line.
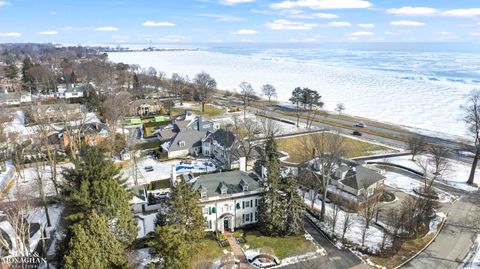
(237, 251)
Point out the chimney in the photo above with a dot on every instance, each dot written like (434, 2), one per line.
(96, 126)
(243, 164)
(174, 175)
(200, 126)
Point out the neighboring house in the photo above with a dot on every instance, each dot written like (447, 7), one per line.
(145, 107)
(229, 200)
(10, 98)
(57, 112)
(354, 185)
(184, 143)
(184, 136)
(222, 146)
(90, 133)
(76, 91)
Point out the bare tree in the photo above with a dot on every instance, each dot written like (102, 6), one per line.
(269, 126)
(417, 145)
(44, 129)
(72, 130)
(116, 107)
(472, 119)
(347, 221)
(367, 212)
(246, 132)
(39, 173)
(205, 85)
(438, 159)
(247, 93)
(334, 216)
(328, 150)
(269, 91)
(16, 213)
(340, 108)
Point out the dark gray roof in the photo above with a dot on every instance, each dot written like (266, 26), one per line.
(191, 138)
(361, 177)
(224, 138)
(213, 182)
(79, 88)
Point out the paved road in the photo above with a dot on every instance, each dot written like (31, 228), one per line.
(336, 258)
(454, 146)
(454, 242)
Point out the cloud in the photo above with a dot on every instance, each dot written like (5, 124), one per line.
(314, 16)
(407, 23)
(4, 3)
(245, 32)
(475, 34)
(226, 18)
(290, 25)
(106, 28)
(413, 11)
(13, 34)
(47, 33)
(322, 4)
(158, 23)
(466, 12)
(234, 2)
(366, 25)
(361, 34)
(339, 24)
(67, 28)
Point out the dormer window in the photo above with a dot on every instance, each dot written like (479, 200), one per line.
(203, 191)
(181, 143)
(244, 185)
(223, 188)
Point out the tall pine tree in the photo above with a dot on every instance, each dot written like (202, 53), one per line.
(180, 229)
(94, 185)
(94, 246)
(280, 212)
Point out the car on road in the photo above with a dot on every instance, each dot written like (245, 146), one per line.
(360, 125)
(357, 133)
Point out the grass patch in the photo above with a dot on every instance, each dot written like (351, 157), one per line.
(150, 127)
(209, 251)
(407, 250)
(282, 247)
(210, 111)
(295, 147)
(159, 184)
(149, 145)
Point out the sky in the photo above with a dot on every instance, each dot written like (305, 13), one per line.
(91, 22)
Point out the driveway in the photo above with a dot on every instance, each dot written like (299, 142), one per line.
(454, 242)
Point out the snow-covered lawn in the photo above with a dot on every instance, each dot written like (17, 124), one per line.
(5, 175)
(28, 185)
(282, 127)
(163, 170)
(353, 236)
(408, 185)
(455, 175)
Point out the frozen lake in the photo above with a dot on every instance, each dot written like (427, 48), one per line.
(400, 90)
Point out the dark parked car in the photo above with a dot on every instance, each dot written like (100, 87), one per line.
(357, 133)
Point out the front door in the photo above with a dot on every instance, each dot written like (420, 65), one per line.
(225, 225)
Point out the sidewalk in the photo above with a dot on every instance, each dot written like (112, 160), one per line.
(237, 251)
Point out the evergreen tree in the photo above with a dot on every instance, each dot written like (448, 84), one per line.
(94, 246)
(11, 71)
(270, 214)
(281, 209)
(94, 185)
(73, 78)
(183, 227)
(136, 83)
(26, 77)
(293, 207)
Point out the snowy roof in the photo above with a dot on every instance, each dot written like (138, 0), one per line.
(222, 138)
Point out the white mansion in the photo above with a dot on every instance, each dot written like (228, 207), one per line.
(229, 200)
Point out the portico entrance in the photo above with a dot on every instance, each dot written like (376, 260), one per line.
(227, 222)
